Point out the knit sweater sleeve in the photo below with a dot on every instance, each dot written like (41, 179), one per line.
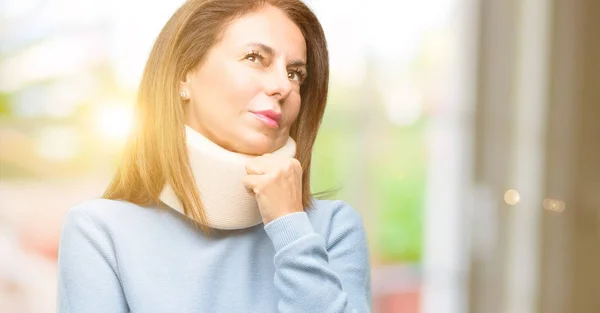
(318, 274)
(87, 271)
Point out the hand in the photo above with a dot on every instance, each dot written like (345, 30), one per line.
(277, 185)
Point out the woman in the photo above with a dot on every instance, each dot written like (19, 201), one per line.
(211, 209)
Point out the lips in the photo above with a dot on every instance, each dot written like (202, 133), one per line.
(269, 117)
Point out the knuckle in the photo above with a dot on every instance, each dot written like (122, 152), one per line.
(289, 167)
(295, 164)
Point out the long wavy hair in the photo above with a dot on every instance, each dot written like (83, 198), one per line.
(156, 151)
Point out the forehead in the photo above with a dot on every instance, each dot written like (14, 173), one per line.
(269, 26)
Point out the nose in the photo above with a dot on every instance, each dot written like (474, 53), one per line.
(278, 85)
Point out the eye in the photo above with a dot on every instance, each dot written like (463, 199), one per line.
(296, 75)
(253, 56)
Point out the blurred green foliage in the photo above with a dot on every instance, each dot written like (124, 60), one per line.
(393, 189)
(5, 107)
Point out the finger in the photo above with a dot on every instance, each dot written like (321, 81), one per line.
(254, 167)
(253, 182)
(249, 181)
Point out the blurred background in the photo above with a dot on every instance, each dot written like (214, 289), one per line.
(466, 133)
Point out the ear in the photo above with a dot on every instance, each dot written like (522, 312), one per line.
(184, 84)
(184, 87)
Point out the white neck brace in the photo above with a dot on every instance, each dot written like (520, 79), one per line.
(218, 174)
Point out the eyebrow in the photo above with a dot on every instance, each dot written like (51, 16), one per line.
(271, 51)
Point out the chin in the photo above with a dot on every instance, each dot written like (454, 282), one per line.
(256, 144)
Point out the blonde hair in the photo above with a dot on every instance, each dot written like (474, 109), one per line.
(156, 151)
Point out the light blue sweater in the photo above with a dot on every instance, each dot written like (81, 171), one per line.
(118, 257)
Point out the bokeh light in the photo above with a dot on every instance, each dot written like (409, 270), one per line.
(512, 197)
(553, 205)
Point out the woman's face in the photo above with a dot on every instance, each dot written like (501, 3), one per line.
(246, 93)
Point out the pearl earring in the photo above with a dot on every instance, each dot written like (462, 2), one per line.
(184, 94)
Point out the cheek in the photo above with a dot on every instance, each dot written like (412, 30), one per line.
(292, 108)
(227, 87)
(238, 87)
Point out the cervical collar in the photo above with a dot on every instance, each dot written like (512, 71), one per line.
(218, 173)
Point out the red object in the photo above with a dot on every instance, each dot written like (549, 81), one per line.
(406, 302)
(41, 243)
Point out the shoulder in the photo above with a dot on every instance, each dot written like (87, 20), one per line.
(335, 219)
(335, 211)
(106, 215)
(102, 209)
